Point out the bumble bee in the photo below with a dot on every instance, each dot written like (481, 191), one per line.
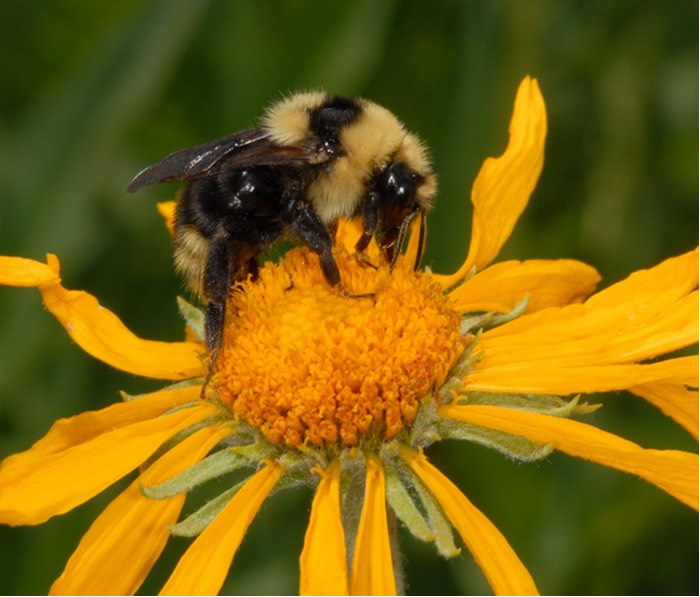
(314, 159)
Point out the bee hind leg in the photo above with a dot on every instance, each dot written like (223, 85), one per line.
(216, 284)
(214, 324)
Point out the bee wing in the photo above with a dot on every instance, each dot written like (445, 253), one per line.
(248, 148)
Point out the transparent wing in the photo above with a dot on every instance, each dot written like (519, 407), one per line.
(252, 147)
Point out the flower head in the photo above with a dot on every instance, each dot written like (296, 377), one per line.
(345, 394)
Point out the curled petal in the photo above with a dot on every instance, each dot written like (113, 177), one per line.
(502, 286)
(202, 569)
(504, 184)
(674, 400)
(323, 561)
(101, 333)
(18, 271)
(39, 486)
(121, 546)
(372, 567)
(503, 569)
(674, 471)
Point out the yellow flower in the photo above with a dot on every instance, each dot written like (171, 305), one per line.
(344, 395)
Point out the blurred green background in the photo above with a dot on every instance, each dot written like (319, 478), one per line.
(90, 92)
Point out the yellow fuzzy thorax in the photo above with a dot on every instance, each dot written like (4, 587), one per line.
(369, 143)
(305, 364)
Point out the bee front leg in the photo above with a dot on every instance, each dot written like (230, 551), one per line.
(308, 226)
(370, 220)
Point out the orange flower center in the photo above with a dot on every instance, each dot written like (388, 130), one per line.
(303, 363)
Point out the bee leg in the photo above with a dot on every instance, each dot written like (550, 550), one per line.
(395, 249)
(332, 229)
(307, 225)
(253, 269)
(217, 281)
(370, 221)
(422, 233)
(213, 325)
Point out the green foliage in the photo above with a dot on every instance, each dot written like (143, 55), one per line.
(90, 92)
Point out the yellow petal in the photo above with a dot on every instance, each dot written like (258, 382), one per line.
(544, 378)
(72, 431)
(121, 546)
(674, 400)
(652, 312)
(641, 296)
(673, 471)
(504, 185)
(102, 334)
(349, 232)
(167, 210)
(502, 286)
(496, 558)
(202, 569)
(372, 568)
(18, 271)
(323, 561)
(33, 490)
(662, 284)
(623, 341)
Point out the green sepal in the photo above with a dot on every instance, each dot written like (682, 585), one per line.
(539, 403)
(485, 321)
(196, 522)
(473, 322)
(215, 465)
(297, 467)
(497, 319)
(258, 450)
(193, 316)
(513, 446)
(405, 507)
(423, 430)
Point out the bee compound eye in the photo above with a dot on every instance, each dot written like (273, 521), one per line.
(398, 184)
